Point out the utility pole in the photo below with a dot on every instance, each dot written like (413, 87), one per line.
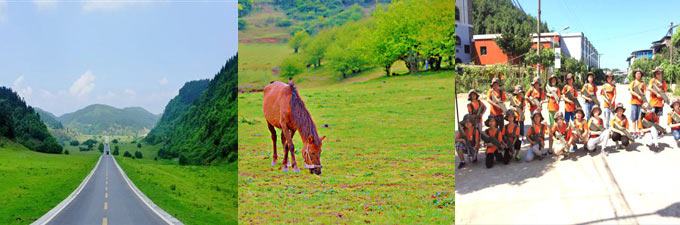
(671, 31)
(538, 41)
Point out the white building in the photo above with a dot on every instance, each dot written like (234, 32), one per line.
(463, 31)
(577, 46)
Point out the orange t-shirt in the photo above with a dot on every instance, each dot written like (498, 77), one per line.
(670, 120)
(536, 129)
(610, 91)
(539, 95)
(590, 88)
(553, 105)
(522, 104)
(656, 100)
(563, 130)
(623, 122)
(580, 125)
(493, 148)
(511, 128)
(569, 107)
(634, 100)
(597, 121)
(495, 110)
(472, 106)
(469, 134)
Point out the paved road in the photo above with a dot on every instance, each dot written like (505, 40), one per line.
(634, 186)
(106, 199)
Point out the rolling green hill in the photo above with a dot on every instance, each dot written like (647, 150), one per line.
(103, 119)
(49, 119)
(179, 105)
(20, 122)
(207, 132)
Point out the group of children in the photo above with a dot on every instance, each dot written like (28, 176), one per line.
(505, 132)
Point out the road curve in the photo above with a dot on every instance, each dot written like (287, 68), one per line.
(106, 198)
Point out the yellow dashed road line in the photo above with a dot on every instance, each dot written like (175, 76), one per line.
(104, 221)
(106, 205)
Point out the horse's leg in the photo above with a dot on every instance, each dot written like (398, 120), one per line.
(285, 151)
(292, 153)
(273, 131)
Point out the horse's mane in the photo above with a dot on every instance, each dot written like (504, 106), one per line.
(300, 116)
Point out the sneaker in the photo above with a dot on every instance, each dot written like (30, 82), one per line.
(572, 149)
(461, 165)
(517, 158)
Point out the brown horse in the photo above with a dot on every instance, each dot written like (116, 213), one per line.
(284, 109)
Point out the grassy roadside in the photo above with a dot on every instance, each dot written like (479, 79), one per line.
(193, 194)
(32, 183)
(388, 155)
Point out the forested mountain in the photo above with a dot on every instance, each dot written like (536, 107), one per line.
(21, 123)
(208, 130)
(49, 119)
(103, 119)
(177, 107)
(498, 16)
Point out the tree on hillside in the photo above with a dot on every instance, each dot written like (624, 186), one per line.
(315, 49)
(437, 39)
(347, 53)
(101, 147)
(494, 16)
(546, 58)
(299, 40)
(514, 42)
(291, 66)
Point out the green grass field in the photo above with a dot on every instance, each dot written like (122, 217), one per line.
(193, 194)
(388, 155)
(32, 183)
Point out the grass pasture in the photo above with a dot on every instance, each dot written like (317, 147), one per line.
(388, 155)
(192, 194)
(32, 183)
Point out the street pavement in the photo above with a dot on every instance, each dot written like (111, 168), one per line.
(107, 199)
(631, 186)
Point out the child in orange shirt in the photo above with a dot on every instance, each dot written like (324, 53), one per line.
(554, 100)
(539, 129)
(563, 129)
(636, 102)
(467, 141)
(621, 120)
(511, 132)
(492, 151)
(673, 123)
(569, 106)
(608, 91)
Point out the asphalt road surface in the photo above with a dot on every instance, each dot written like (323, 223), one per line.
(106, 199)
(633, 186)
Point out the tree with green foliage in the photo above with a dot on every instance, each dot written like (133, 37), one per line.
(66, 152)
(545, 59)
(436, 38)
(346, 54)
(315, 49)
(127, 154)
(299, 40)
(244, 7)
(101, 147)
(115, 150)
(74, 143)
(291, 66)
(115, 141)
(139, 145)
(138, 154)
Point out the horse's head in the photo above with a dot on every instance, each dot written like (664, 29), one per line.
(312, 155)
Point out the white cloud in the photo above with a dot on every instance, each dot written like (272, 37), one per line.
(23, 91)
(163, 81)
(45, 4)
(84, 85)
(3, 11)
(46, 94)
(129, 92)
(105, 5)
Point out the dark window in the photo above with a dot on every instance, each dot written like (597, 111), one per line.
(467, 49)
(457, 40)
(482, 50)
(457, 14)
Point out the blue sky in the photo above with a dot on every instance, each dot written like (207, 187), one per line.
(616, 28)
(64, 55)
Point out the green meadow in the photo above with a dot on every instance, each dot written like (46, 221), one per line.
(192, 194)
(388, 154)
(32, 183)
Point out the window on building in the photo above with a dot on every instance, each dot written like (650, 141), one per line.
(457, 40)
(457, 14)
(482, 50)
(467, 49)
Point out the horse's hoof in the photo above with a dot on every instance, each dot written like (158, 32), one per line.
(296, 170)
(273, 163)
(285, 170)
